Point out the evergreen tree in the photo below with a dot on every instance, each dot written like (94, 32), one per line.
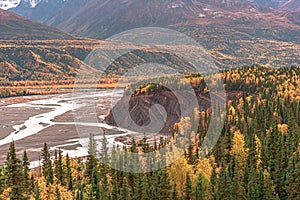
(175, 193)
(163, 184)
(213, 182)
(15, 175)
(69, 177)
(200, 192)
(96, 191)
(125, 190)
(253, 186)
(57, 194)
(47, 166)
(141, 189)
(2, 179)
(91, 158)
(37, 192)
(235, 189)
(79, 193)
(293, 177)
(188, 188)
(59, 172)
(27, 179)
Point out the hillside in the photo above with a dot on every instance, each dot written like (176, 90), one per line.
(13, 26)
(101, 19)
(41, 11)
(44, 60)
(55, 60)
(237, 33)
(293, 5)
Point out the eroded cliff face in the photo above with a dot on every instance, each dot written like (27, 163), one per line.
(139, 106)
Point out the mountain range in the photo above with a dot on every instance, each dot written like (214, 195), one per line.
(234, 32)
(102, 18)
(276, 4)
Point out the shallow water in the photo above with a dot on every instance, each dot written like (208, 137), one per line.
(52, 106)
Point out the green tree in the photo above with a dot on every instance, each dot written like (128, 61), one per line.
(213, 183)
(59, 172)
(37, 191)
(175, 193)
(47, 166)
(293, 178)
(96, 191)
(57, 194)
(26, 170)
(69, 174)
(91, 158)
(188, 188)
(200, 192)
(15, 175)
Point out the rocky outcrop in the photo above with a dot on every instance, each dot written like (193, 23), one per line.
(139, 106)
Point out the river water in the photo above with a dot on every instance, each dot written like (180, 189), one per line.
(33, 120)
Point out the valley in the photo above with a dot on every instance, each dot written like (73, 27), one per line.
(197, 100)
(33, 120)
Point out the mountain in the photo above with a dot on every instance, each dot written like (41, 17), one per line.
(40, 10)
(13, 26)
(7, 4)
(235, 32)
(275, 4)
(101, 19)
(287, 5)
(292, 5)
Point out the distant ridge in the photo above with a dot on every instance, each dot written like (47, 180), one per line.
(13, 26)
(235, 32)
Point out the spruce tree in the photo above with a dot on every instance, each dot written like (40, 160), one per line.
(15, 175)
(234, 187)
(293, 177)
(79, 193)
(126, 193)
(2, 179)
(59, 172)
(96, 191)
(253, 186)
(37, 191)
(213, 182)
(27, 179)
(69, 177)
(200, 192)
(175, 193)
(57, 194)
(188, 188)
(47, 166)
(140, 188)
(91, 158)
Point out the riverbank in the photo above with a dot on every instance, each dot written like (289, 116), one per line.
(33, 120)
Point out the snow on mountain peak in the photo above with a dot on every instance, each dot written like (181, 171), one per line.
(7, 4)
(33, 3)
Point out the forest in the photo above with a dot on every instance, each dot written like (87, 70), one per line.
(256, 157)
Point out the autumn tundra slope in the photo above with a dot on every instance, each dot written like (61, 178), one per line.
(13, 27)
(44, 60)
(235, 32)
